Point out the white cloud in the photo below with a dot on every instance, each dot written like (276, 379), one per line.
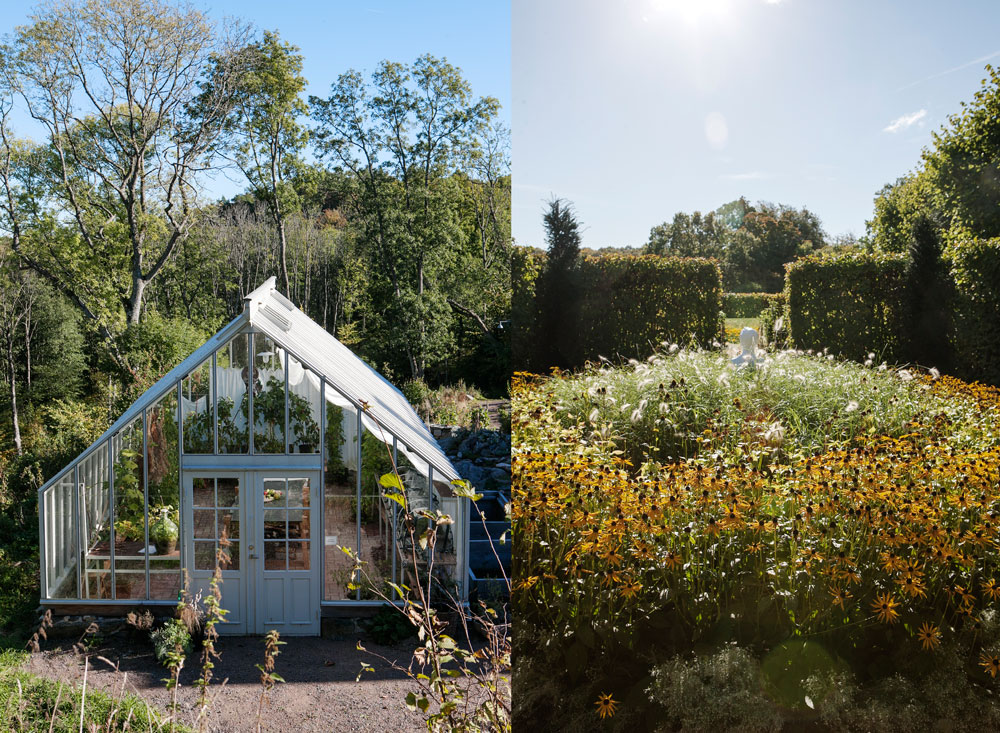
(901, 123)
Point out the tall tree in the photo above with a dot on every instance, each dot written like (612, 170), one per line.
(270, 135)
(401, 137)
(117, 85)
(558, 291)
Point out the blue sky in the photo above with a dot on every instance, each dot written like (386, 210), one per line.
(337, 35)
(635, 110)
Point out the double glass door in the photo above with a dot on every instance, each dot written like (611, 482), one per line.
(261, 530)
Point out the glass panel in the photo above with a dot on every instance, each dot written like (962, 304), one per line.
(298, 555)
(269, 397)
(274, 492)
(298, 492)
(303, 408)
(274, 524)
(204, 555)
(130, 512)
(229, 491)
(298, 523)
(340, 457)
(203, 491)
(204, 524)
(162, 474)
(274, 555)
(229, 524)
(232, 377)
(95, 515)
(196, 395)
(376, 516)
(61, 560)
(234, 556)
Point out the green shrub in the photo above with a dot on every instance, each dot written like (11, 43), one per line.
(525, 266)
(416, 392)
(975, 269)
(168, 637)
(748, 305)
(632, 304)
(389, 626)
(849, 302)
(774, 323)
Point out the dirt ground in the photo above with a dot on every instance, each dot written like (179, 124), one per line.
(319, 693)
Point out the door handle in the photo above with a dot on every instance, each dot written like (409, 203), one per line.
(254, 556)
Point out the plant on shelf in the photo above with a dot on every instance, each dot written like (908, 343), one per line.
(198, 432)
(129, 500)
(301, 423)
(269, 417)
(163, 532)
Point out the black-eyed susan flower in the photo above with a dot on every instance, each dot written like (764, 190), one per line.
(884, 607)
(990, 662)
(606, 706)
(929, 636)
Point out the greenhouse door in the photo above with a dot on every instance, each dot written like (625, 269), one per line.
(272, 579)
(285, 561)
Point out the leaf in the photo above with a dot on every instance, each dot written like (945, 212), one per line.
(391, 481)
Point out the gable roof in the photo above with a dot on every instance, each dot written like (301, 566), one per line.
(269, 312)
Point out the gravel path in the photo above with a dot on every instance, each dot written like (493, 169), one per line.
(319, 694)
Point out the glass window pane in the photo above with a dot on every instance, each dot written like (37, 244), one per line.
(269, 397)
(130, 512)
(229, 492)
(229, 524)
(204, 555)
(204, 524)
(162, 469)
(298, 523)
(303, 408)
(274, 524)
(298, 555)
(340, 454)
(232, 377)
(375, 514)
(95, 515)
(234, 556)
(298, 492)
(274, 555)
(203, 490)
(275, 492)
(61, 558)
(196, 399)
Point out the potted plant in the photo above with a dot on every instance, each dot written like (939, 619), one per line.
(163, 532)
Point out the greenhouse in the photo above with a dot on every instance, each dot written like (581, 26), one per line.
(186, 471)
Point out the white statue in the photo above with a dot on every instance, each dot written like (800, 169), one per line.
(748, 343)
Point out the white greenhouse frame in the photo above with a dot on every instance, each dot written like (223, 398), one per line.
(79, 503)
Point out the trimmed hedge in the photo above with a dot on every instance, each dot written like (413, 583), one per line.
(851, 302)
(974, 266)
(631, 304)
(748, 305)
(525, 267)
(774, 322)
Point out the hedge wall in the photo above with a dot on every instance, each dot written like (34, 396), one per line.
(974, 266)
(748, 305)
(526, 265)
(631, 304)
(852, 302)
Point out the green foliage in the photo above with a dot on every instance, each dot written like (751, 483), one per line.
(168, 638)
(748, 305)
(30, 705)
(974, 266)
(632, 304)
(526, 266)
(389, 626)
(774, 323)
(850, 302)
